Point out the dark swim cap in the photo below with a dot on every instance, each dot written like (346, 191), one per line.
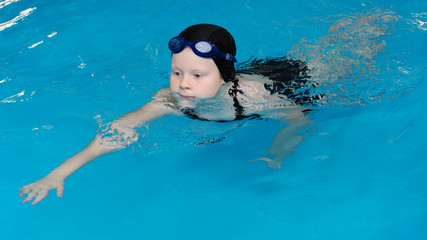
(221, 38)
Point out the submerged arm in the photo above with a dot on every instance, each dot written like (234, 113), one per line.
(286, 139)
(278, 107)
(104, 143)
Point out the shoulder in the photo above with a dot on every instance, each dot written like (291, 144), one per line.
(164, 100)
(164, 92)
(256, 96)
(164, 97)
(253, 85)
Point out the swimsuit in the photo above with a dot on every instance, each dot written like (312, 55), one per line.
(288, 78)
(238, 108)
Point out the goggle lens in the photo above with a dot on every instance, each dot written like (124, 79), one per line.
(176, 45)
(202, 48)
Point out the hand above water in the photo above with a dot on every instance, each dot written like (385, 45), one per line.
(40, 189)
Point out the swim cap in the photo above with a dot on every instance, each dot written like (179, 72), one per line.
(221, 38)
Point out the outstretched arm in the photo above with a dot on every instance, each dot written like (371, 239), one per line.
(55, 179)
(102, 144)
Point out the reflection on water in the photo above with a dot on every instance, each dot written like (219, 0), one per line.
(15, 20)
(419, 20)
(7, 2)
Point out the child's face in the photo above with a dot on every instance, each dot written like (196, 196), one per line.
(194, 77)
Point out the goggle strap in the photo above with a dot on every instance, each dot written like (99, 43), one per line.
(230, 57)
(183, 42)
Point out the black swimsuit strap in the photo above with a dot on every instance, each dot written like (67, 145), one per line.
(238, 108)
(233, 91)
(191, 113)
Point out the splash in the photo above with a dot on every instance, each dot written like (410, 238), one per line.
(117, 134)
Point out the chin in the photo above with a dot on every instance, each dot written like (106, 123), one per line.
(186, 103)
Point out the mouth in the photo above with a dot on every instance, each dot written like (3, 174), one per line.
(186, 97)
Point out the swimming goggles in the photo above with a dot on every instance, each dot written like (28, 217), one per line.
(203, 48)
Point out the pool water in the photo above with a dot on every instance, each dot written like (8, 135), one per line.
(67, 67)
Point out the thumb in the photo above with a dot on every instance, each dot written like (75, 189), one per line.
(60, 191)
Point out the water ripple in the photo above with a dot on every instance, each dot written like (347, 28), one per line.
(7, 79)
(15, 20)
(420, 20)
(7, 2)
(19, 97)
(344, 63)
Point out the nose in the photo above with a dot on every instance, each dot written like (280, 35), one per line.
(185, 83)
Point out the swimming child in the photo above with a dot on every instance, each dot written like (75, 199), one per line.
(204, 85)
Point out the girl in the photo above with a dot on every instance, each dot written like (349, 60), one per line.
(204, 86)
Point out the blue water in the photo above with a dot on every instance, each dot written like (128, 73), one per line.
(65, 67)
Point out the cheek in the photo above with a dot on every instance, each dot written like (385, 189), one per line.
(217, 83)
(173, 83)
(212, 89)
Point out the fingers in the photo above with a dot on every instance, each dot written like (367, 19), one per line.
(27, 186)
(30, 197)
(25, 190)
(42, 194)
(275, 166)
(265, 159)
(270, 162)
(60, 191)
(36, 193)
